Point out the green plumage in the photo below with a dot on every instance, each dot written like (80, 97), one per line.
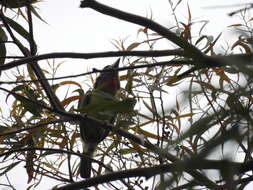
(104, 91)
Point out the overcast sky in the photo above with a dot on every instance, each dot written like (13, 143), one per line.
(73, 29)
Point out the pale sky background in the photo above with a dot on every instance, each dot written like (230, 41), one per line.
(72, 29)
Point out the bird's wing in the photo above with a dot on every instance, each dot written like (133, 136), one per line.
(85, 100)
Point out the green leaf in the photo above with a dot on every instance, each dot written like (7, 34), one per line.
(3, 129)
(28, 101)
(3, 36)
(198, 128)
(37, 14)
(148, 107)
(173, 81)
(123, 124)
(125, 151)
(29, 106)
(17, 88)
(111, 106)
(20, 30)
(129, 84)
(201, 126)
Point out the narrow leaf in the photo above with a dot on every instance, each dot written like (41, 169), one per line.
(8, 168)
(20, 30)
(132, 46)
(68, 100)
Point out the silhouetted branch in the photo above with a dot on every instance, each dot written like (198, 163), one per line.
(193, 164)
(162, 63)
(190, 50)
(53, 151)
(36, 68)
(39, 125)
(140, 140)
(29, 60)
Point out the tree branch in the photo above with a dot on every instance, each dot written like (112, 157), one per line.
(190, 50)
(192, 164)
(162, 63)
(31, 59)
(36, 68)
(141, 141)
(53, 151)
(35, 126)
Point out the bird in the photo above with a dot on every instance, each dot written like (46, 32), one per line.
(105, 88)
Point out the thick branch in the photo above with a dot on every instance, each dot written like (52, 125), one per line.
(190, 50)
(152, 171)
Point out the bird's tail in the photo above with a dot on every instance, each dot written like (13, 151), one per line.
(85, 165)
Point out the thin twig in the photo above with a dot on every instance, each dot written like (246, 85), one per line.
(53, 151)
(36, 68)
(40, 125)
(192, 164)
(134, 138)
(29, 60)
(163, 63)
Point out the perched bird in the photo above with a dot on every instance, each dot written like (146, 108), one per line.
(105, 88)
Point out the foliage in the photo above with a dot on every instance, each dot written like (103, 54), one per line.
(172, 121)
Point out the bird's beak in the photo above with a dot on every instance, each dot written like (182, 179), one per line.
(116, 64)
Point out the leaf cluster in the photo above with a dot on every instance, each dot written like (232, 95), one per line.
(177, 110)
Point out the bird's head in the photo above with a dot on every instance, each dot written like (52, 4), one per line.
(108, 80)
